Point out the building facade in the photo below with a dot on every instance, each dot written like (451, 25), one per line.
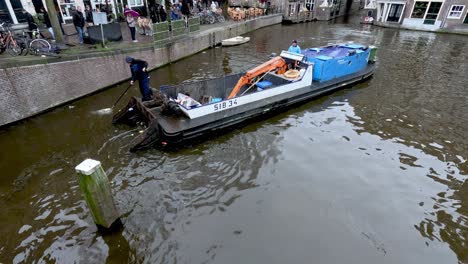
(10, 10)
(308, 10)
(390, 11)
(431, 15)
(330, 9)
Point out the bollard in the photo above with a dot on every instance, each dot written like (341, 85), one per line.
(97, 192)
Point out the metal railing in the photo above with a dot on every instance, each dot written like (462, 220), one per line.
(166, 31)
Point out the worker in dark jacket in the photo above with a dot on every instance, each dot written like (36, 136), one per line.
(79, 23)
(139, 69)
(31, 23)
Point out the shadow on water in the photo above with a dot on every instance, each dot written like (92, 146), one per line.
(377, 170)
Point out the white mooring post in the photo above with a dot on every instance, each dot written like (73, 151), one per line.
(97, 192)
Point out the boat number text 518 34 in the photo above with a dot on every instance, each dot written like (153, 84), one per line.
(225, 104)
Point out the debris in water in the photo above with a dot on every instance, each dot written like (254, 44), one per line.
(104, 111)
(71, 106)
(55, 171)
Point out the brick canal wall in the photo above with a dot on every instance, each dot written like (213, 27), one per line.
(29, 90)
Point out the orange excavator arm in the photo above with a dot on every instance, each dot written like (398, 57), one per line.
(275, 64)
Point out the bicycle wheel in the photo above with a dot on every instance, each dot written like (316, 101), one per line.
(2, 43)
(13, 48)
(24, 45)
(211, 19)
(221, 19)
(39, 46)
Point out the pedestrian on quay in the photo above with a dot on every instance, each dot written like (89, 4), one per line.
(139, 70)
(294, 48)
(185, 10)
(89, 16)
(131, 23)
(60, 19)
(214, 7)
(79, 23)
(154, 13)
(31, 23)
(175, 12)
(47, 22)
(191, 5)
(162, 13)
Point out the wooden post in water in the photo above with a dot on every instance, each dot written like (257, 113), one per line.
(97, 192)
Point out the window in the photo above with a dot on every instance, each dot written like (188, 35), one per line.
(427, 11)
(419, 10)
(292, 8)
(395, 13)
(456, 11)
(310, 4)
(466, 19)
(135, 2)
(432, 13)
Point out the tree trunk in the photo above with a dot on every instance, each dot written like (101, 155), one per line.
(224, 6)
(167, 4)
(54, 21)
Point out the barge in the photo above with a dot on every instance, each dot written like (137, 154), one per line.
(183, 112)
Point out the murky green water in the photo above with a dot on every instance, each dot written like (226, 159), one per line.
(372, 174)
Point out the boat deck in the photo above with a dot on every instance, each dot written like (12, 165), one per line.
(185, 127)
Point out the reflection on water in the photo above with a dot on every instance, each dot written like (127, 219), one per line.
(371, 174)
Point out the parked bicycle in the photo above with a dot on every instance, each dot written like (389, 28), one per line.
(206, 17)
(38, 45)
(7, 41)
(218, 14)
(210, 17)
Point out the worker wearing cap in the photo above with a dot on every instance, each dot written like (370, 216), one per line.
(294, 48)
(139, 69)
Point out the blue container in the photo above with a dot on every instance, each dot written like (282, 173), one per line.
(335, 62)
(264, 84)
(216, 100)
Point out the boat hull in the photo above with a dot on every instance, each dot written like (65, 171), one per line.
(234, 41)
(179, 130)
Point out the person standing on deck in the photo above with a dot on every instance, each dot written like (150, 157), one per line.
(294, 48)
(139, 70)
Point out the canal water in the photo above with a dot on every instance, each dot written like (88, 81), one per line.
(374, 173)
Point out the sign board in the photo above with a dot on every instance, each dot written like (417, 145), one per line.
(99, 18)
